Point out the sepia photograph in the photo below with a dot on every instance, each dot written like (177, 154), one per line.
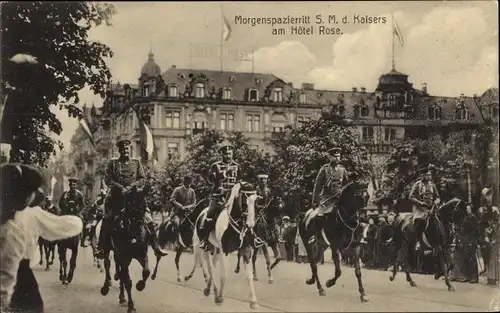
(249, 156)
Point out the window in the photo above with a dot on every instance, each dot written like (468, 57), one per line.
(145, 90)
(461, 113)
(199, 120)
(172, 91)
(434, 112)
(226, 94)
(303, 98)
(278, 94)
(253, 123)
(301, 120)
(173, 119)
(254, 147)
(172, 149)
(364, 111)
(253, 95)
(227, 121)
(392, 101)
(131, 122)
(278, 123)
(200, 90)
(341, 110)
(389, 134)
(367, 133)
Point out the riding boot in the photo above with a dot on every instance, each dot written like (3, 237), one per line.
(83, 240)
(103, 241)
(317, 226)
(205, 229)
(154, 241)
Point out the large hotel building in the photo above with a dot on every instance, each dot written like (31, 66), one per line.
(180, 102)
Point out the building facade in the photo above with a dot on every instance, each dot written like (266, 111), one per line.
(178, 103)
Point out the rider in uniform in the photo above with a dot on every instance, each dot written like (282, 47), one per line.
(263, 201)
(71, 201)
(327, 187)
(424, 195)
(122, 175)
(96, 213)
(50, 207)
(183, 200)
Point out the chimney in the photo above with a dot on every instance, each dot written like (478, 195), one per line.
(290, 84)
(363, 89)
(354, 89)
(307, 86)
(174, 66)
(424, 87)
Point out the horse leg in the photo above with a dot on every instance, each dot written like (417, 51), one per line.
(46, 249)
(237, 270)
(155, 271)
(248, 272)
(178, 254)
(40, 247)
(62, 265)
(395, 263)
(254, 253)
(338, 271)
(117, 269)
(141, 284)
(53, 252)
(72, 263)
(409, 256)
(357, 272)
(444, 268)
(268, 264)
(127, 281)
(121, 297)
(107, 280)
(311, 254)
(210, 280)
(277, 255)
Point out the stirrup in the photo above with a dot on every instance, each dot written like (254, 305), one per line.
(257, 242)
(312, 239)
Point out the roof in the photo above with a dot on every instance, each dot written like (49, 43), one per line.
(449, 105)
(150, 68)
(490, 96)
(238, 82)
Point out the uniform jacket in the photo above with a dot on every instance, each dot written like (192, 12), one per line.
(71, 203)
(266, 197)
(424, 192)
(119, 174)
(223, 176)
(183, 197)
(329, 182)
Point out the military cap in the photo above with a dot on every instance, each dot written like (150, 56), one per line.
(262, 176)
(224, 145)
(334, 149)
(22, 178)
(123, 143)
(424, 168)
(73, 180)
(48, 198)
(286, 217)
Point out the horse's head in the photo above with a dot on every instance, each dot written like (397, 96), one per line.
(453, 211)
(247, 195)
(353, 197)
(135, 201)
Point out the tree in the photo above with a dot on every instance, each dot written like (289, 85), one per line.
(56, 34)
(301, 152)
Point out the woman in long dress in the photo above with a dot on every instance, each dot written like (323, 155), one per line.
(22, 222)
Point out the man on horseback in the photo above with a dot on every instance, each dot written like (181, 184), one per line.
(121, 176)
(223, 175)
(71, 201)
(94, 215)
(424, 195)
(183, 200)
(50, 207)
(327, 187)
(264, 200)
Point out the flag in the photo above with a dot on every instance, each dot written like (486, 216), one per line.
(147, 141)
(226, 28)
(86, 130)
(396, 31)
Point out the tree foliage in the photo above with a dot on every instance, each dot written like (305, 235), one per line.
(57, 35)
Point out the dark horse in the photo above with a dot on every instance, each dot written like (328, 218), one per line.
(48, 247)
(341, 232)
(264, 228)
(435, 236)
(68, 207)
(129, 240)
(232, 232)
(183, 239)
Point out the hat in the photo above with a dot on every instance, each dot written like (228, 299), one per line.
(123, 143)
(224, 145)
(21, 180)
(334, 150)
(262, 176)
(286, 217)
(73, 180)
(425, 168)
(487, 192)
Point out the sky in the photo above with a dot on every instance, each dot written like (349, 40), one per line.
(452, 46)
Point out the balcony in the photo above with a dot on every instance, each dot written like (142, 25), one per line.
(379, 148)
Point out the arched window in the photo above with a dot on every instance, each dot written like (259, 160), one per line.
(172, 91)
(253, 95)
(278, 94)
(226, 94)
(365, 111)
(341, 110)
(303, 98)
(146, 90)
(200, 90)
(392, 101)
(200, 120)
(461, 112)
(278, 122)
(434, 112)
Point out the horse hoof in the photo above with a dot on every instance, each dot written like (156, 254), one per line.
(131, 310)
(255, 278)
(413, 284)
(179, 280)
(330, 283)
(364, 298)
(104, 290)
(153, 277)
(391, 278)
(61, 277)
(271, 281)
(450, 288)
(322, 293)
(219, 300)
(237, 270)
(186, 278)
(123, 302)
(141, 284)
(254, 305)
(206, 292)
(116, 276)
(40, 263)
(47, 268)
(310, 281)
(101, 270)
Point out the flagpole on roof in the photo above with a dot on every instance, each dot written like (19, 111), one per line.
(221, 35)
(392, 31)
